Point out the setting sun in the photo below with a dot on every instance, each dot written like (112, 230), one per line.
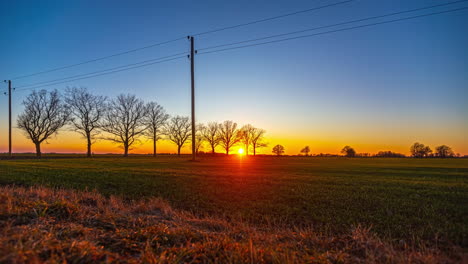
(241, 151)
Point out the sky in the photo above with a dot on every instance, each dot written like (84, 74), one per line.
(375, 88)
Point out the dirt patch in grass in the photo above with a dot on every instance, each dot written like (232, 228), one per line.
(45, 225)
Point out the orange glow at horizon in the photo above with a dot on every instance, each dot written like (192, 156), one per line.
(71, 142)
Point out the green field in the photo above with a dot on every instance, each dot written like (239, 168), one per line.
(400, 199)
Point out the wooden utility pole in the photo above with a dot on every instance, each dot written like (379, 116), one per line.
(9, 118)
(192, 71)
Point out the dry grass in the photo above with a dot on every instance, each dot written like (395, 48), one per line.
(40, 225)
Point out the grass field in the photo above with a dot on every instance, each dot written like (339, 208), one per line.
(44, 225)
(401, 200)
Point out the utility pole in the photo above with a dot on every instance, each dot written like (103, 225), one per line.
(9, 118)
(192, 71)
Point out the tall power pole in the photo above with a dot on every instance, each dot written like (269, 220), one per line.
(192, 71)
(9, 118)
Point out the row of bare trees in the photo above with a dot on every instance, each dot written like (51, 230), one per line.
(124, 120)
(227, 135)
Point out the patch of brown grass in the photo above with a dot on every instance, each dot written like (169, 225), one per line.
(40, 225)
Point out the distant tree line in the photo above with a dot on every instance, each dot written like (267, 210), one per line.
(417, 150)
(389, 154)
(125, 120)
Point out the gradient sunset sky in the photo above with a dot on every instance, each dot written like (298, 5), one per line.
(375, 88)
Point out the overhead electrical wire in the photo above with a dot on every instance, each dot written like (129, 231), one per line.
(105, 73)
(333, 25)
(271, 18)
(97, 59)
(109, 69)
(331, 31)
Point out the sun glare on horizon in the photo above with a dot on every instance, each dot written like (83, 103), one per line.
(240, 151)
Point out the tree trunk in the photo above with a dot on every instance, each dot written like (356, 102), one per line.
(125, 150)
(154, 144)
(212, 149)
(178, 151)
(254, 150)
(38, 150)
(88, 154)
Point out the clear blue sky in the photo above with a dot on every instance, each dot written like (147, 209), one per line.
(381, 87)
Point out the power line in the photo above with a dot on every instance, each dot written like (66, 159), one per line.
(271, 18)
(98, 59)
(334, 31)
(96, 75)
(109, 69)
(333, 25)
(180, 38)
(147, 62)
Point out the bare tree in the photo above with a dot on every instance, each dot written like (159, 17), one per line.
(257, 139)
(444, 152)
(86, 110)
(278, 150)
(124, 120)
(348, 152)
(245, 135)
(227, 135)
(210, 135)
(43, 116)
(154, 120)
(419, 150)
(305, 150)
(178, 129)
(199, 139)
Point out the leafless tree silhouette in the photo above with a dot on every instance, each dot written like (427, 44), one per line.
(245, 135)
(154, 121)
(419, 150)
(210, 135)
(444, 152)
(87, 111)
(227, 135)
(348, 152)
(124, 120)
(178, 129)
(278, 150)
(43, 116)
(257, 139)
(199, 139)
(306, 150)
